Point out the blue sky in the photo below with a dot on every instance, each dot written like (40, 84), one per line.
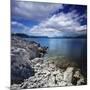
(48, 19)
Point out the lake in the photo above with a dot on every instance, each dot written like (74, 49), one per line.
(72, 48)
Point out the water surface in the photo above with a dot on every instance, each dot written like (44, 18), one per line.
(72, 48)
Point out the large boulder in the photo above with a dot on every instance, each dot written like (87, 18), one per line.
(20, 65)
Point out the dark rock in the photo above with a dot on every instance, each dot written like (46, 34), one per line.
(20, 67)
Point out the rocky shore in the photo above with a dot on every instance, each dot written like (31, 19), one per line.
(30, 69)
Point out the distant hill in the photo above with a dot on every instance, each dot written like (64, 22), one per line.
(81, 36)
(22, 35)
(77, 36)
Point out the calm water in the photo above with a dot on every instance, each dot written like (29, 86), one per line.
(75, 48)
(67, 47)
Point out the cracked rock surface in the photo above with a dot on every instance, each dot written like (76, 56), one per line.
(47, 75)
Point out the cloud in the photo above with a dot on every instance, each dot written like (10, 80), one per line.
(59, 25)
(19, 27)
(81, 28)
(50, 32)
(49, 23)
(34, 10)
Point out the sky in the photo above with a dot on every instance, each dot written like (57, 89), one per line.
(48, 19)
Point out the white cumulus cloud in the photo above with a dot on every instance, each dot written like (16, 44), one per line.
(59, 25)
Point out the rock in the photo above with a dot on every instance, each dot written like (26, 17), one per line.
(30, 46)
(15, 87)
(45, 77)
(59, 77)
(51, 81)
(77, 74)
(37, 61)
(22, 52)
(81, 81)
(28, 70)
(68, 74)
(63, 83)
(20, 67)
(78, 79)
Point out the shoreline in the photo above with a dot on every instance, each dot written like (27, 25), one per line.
(29, 66)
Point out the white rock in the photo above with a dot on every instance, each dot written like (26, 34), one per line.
(62, 83)
(59, 77)
(77, 74)
(51, 81)
(68, 74)
(81, 80)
